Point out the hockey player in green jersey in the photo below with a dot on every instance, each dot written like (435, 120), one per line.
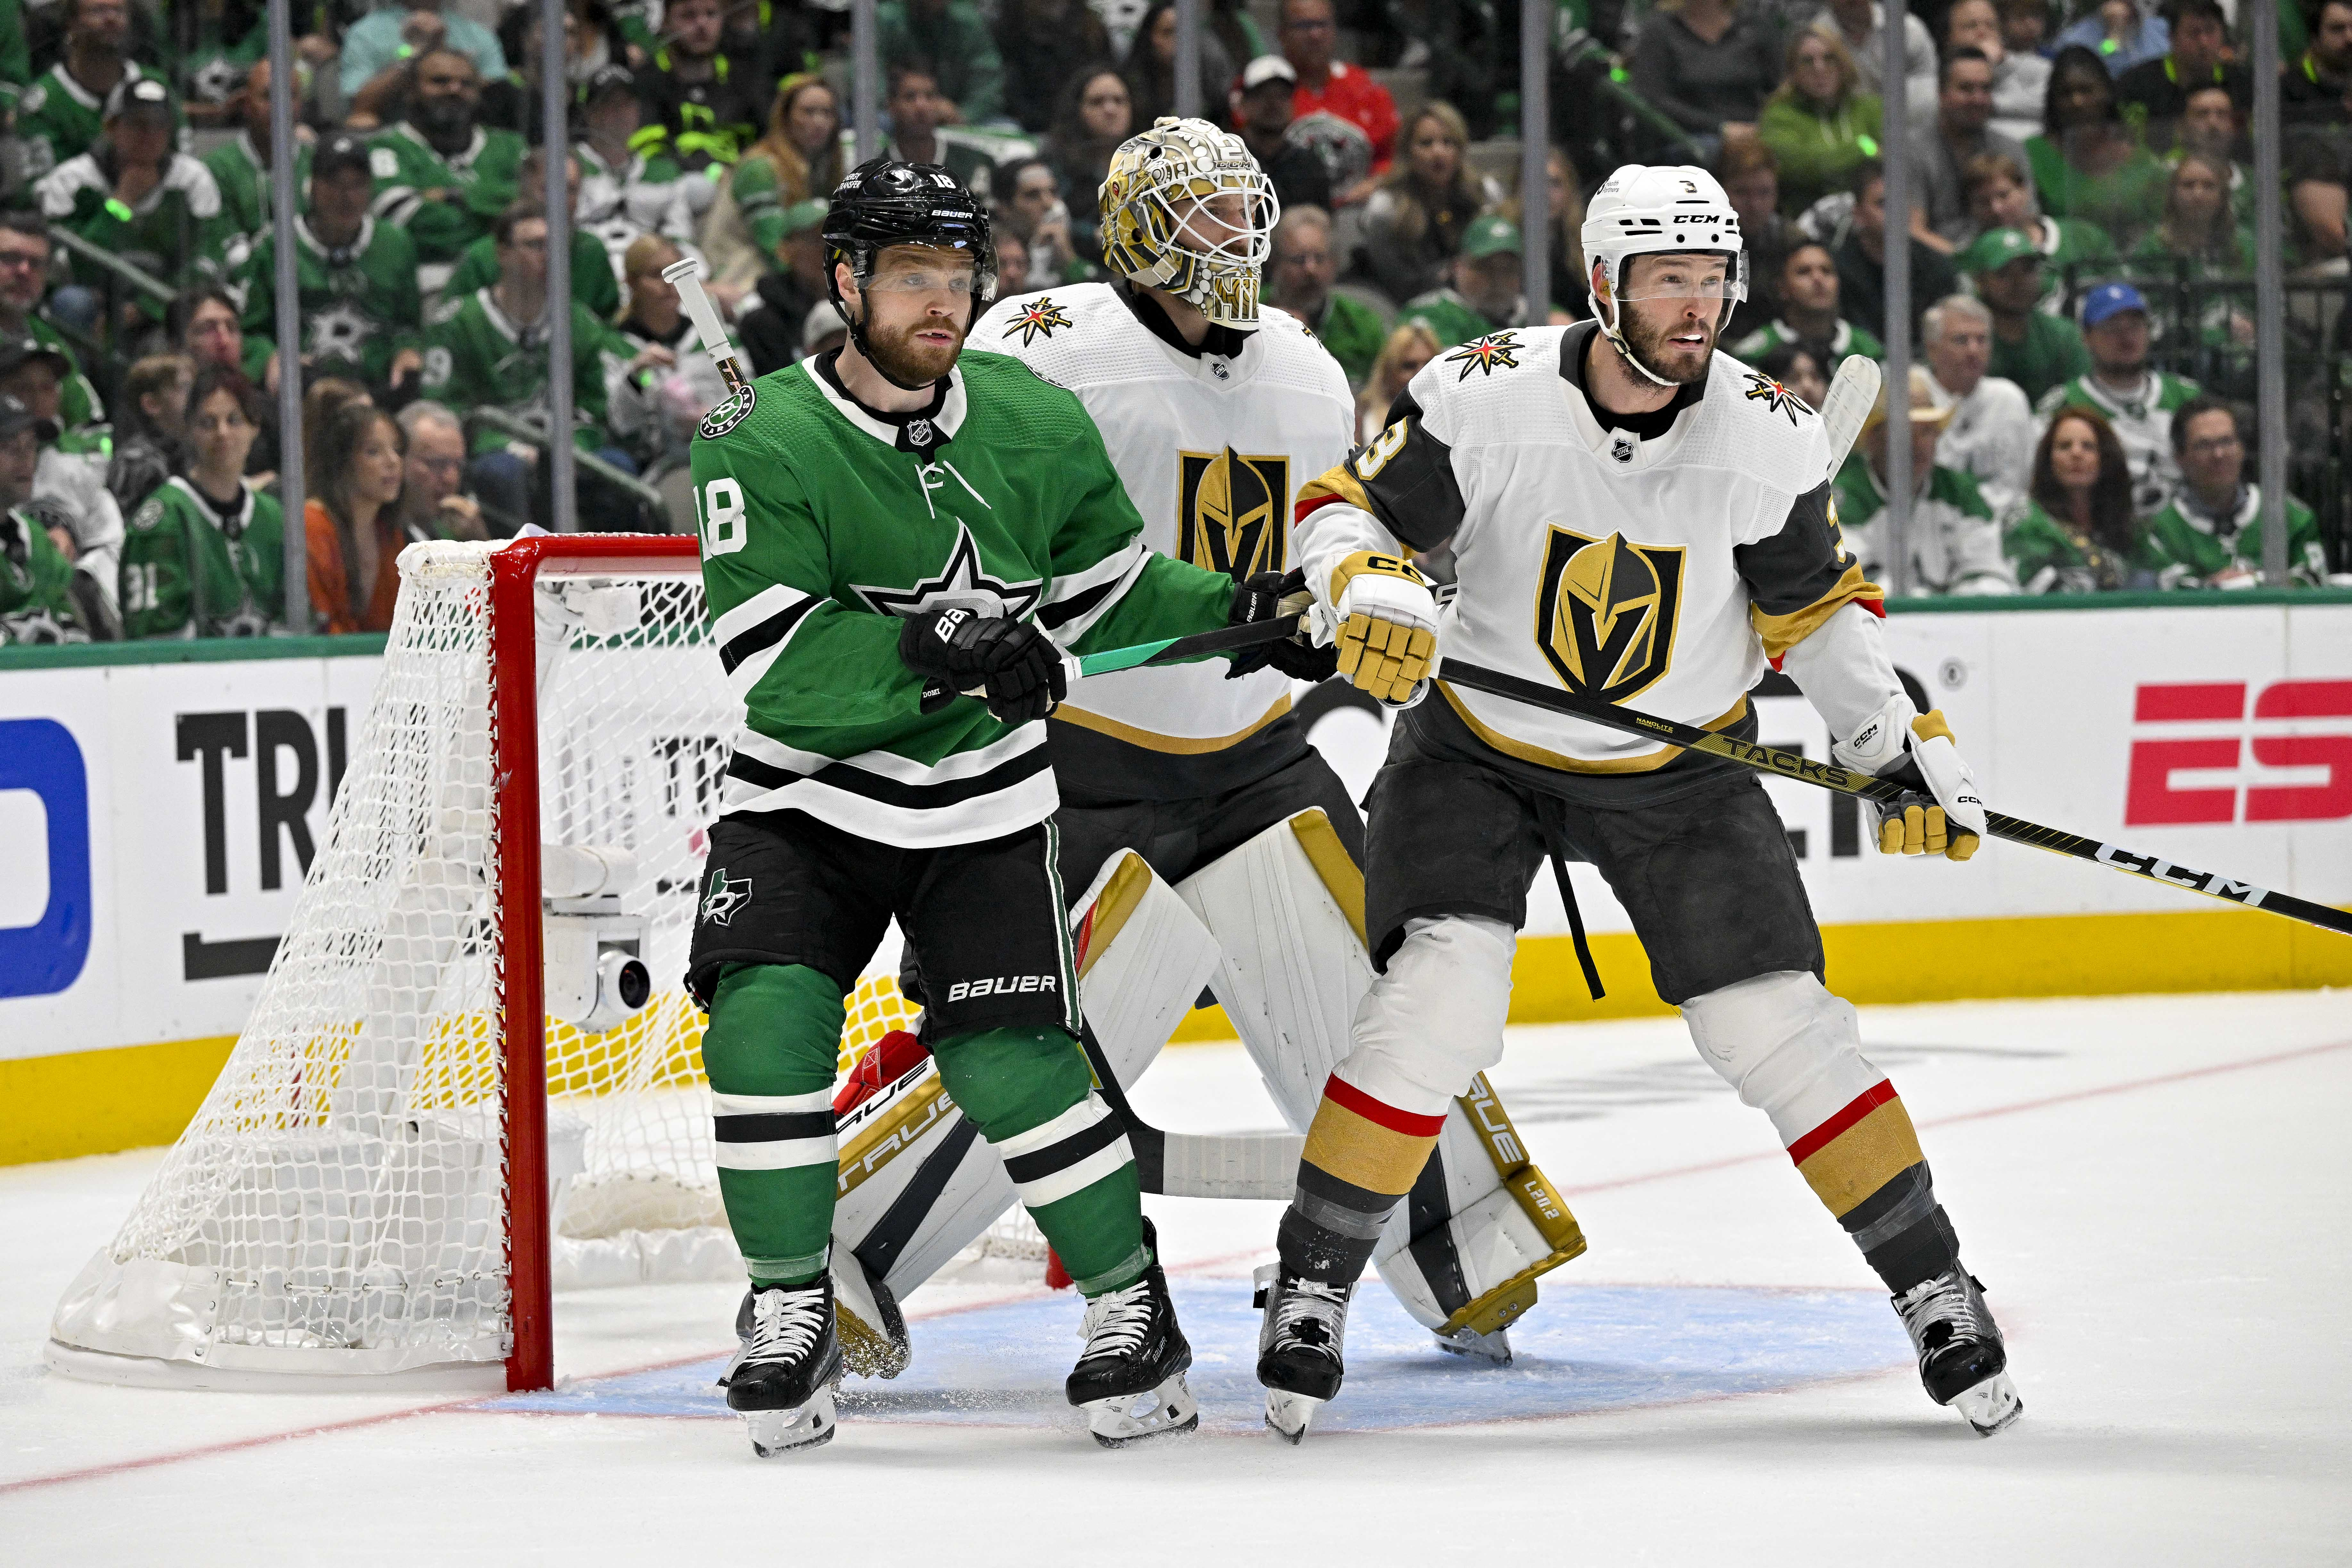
(438, 175)
(356, 278)
(205, 555)
(880, 524)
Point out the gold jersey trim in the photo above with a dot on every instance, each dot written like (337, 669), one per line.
(1174, 745)
(1782, 633)
(1648, 763)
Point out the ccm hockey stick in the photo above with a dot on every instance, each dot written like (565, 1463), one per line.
(1845, 781)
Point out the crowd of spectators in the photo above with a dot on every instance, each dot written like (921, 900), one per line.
(2079, 231)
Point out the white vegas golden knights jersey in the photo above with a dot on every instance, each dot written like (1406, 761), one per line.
(1662, 573)
(1211, 450)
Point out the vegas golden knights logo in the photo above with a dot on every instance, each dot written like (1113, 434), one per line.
(1231, 510)
(1605, 613)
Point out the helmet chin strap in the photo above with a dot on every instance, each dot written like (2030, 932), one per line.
(1609, 329)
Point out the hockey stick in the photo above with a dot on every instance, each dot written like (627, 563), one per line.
(1138, 655)
(1844, 781)
(686, 276)
(1851, 396)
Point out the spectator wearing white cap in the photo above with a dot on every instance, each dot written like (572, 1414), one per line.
(1261, 105)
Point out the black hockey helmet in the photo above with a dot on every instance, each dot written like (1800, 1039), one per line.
(883, 203)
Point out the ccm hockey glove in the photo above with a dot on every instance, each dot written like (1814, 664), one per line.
(1010, 664)
(1269, 596)
(1383, 619)
(1943, 814)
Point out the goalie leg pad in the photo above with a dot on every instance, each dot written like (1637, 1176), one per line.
(918, 1183)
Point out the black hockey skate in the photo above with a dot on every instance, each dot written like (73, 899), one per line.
(783, 1377)
(1299, 1347)
(1129, 1379)
(1962, 1360)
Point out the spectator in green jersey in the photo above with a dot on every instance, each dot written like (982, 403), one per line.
(1301, 273)
(953, 36)
(2001, 195)
(2196, 239)
(1807, 290)
(2036, 351)
(593, 283)
(206, 553)
(24, 252)
(60, 116)
(2209, 535)
(439, 173)
(2076, 532)
(138, 198)
(1486, 294)
(1819, 124)
(2086, 163)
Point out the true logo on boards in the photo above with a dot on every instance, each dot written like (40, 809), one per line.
(2210, 728)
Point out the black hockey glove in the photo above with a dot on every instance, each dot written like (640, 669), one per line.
(1010, 664)
(1270, 595)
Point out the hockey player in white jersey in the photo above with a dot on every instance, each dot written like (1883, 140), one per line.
(1192, 797)
(1638, 518)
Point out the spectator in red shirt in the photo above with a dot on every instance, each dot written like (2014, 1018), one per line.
(1308, 34)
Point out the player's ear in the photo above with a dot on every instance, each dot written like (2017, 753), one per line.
(846, 281)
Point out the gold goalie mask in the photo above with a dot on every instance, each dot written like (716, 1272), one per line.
(1187, 209)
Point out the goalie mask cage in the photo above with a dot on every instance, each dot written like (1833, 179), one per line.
(405, 1154)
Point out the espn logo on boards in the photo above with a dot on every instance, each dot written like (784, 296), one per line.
(2153, 798)
(1000, 985)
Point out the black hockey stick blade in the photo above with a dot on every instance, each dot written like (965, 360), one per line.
(1845, 781)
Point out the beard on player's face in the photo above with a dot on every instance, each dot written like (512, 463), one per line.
(1680, 349)
(900, 350)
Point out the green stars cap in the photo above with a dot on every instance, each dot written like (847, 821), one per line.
(1493, 235)
(1996, 248)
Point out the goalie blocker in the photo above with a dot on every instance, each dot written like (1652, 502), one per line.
(917, 1184)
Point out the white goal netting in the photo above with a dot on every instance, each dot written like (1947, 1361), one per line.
(340, 1202)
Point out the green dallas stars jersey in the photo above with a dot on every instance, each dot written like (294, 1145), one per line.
(185, 574)
(2189, 547)
(358, 312)
(822, 525)
(592, 281)
(476, 356)
(476, 184)
(36, 602)
(77, 402)
(177, 232)
(2142, 420)
(56, 119)
(244, 181)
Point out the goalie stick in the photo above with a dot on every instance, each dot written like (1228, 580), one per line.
(1845, 781)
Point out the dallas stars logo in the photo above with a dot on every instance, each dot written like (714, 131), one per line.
(1496, 351)
(1038, 319)
(725, 895)
(961, 582)
(1776, 398)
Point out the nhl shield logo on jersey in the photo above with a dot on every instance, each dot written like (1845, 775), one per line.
(1496, 351)
(1038, 319)
(1605, 612)
(1232, 511)
(1775, 398)
(732, 412)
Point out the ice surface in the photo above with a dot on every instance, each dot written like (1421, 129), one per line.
(2152, 1189)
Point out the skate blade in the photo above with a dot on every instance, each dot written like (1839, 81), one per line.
(1992, 1406)
(1495, 1348)
(1158, 1411)
(1287, 1414)
(777, 1432)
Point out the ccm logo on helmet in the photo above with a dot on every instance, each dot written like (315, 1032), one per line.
(1000, 985)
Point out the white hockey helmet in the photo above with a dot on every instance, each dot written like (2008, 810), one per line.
(1159, 228)
(1645, 210)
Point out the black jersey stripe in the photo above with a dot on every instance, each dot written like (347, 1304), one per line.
(765, 635)
(1060, 1156)
(1054, 616)
(774, 1127)
(893, 792)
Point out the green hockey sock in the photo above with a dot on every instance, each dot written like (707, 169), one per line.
(774, 1036)
(1031, 1096)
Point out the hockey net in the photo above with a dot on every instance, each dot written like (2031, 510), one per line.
(363, 1191)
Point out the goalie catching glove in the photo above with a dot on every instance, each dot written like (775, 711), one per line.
(1943, 814)
(1270, 596)
(1382, 620)
(1010, 665)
